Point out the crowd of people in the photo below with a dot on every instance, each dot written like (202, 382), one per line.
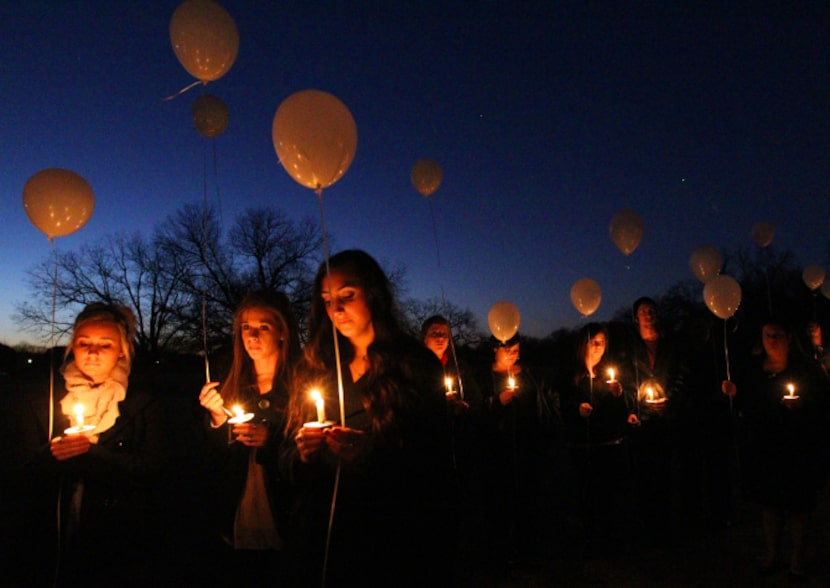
(370, 456)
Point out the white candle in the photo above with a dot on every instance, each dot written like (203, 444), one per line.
(448, 385)
(511, 383)
(321, 406)
(611, 375)
(650, 393)
(790, 391)
(79, 427)
(79, 415)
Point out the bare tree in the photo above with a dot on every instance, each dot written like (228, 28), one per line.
(185, 283)
(114, 269)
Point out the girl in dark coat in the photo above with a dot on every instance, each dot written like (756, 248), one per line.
(251, 496)
(385, 472)
(781, 398)
(98, 457)
(595, 415)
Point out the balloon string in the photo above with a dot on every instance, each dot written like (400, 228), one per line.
(183, 90)
(726, 357)
(331, 523)
(204, 247)
(319, 192)
(52, 343)
(216, 181)
(435, 233)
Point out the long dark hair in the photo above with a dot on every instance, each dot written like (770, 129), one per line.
(583, 338)
(387, 370)
(241, 382)
(367, 273)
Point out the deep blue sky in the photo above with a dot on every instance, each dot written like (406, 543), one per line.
(546, 118)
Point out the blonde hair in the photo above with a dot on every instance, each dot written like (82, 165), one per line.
(121, 316)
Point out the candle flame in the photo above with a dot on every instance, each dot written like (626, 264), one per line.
(237, 411)
(448, 384)
(315, 395)
(611, 374)
(79, 414)
(650, 393)
(791, 390)
(511, 382)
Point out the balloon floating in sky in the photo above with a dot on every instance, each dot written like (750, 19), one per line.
(762, 234)
(204, 38)
(315, 138)
(722, 295)
(706, 262)
(58, 202)
(503, 320)
(586, 296)
(426, 176)
(626, 230)
(813, 276)
(210, 116)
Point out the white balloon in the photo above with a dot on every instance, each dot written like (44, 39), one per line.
(503, 320)
(706, 262)
(813, 276)
(722, 295)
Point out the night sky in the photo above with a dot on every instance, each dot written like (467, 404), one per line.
(547, 118)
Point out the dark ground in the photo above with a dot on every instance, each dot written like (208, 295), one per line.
(700, 555)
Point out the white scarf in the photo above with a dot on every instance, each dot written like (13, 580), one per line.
(100, 401)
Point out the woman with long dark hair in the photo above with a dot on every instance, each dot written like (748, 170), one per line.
(372, 489)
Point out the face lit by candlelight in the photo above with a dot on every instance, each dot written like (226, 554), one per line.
(260, 333)
(776, 341)
(506, 357)
(96, 346)
(348, 308)
(437, 339)
(595, 350)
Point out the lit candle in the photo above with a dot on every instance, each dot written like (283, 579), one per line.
(511, 383)
(448, 386)
(240, 416)
(611, 375)
(790, 395)
(321, 406)
(79, 427)
(652, 398)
